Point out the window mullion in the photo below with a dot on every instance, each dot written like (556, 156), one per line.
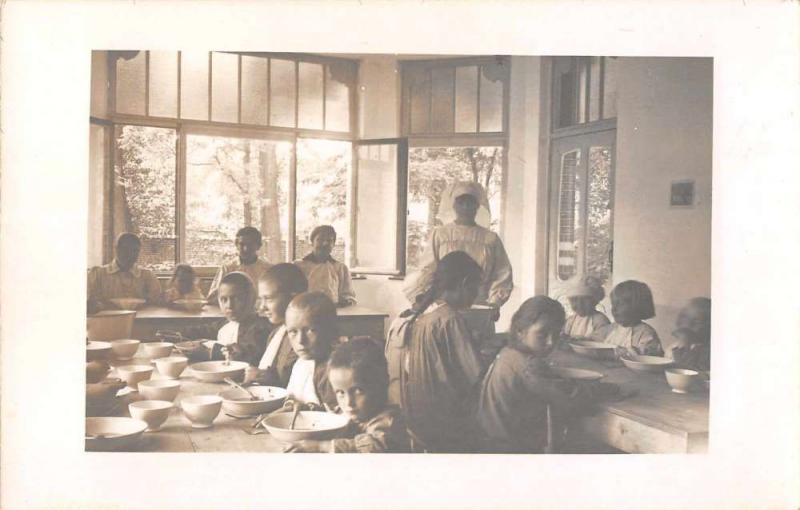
(291, 248)
(180, 196)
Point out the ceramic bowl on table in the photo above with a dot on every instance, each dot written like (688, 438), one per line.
(201, 410)
(190, 305)
(127, 303)
(115, 433)
(134, 374)
(98, 351)
(152, 412)
(314, 425)
(237, 402)
(124, 349)
(160, 389)
(576, 374)
(595, 350)
(217, 371)
(110, 325)
(157, 349)
(647, 363)
(171, 367)
(682, 380)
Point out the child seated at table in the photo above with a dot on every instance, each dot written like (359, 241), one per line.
(585, 319)
(183, 285)
(358, 375)
(631, 303)
(248, 242)
(692, 346)
(276, 289)
(242, 334)
(323, 272)
(519, 388)
(312, 331)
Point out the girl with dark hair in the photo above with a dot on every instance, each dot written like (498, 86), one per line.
(433, 366)
(518, 387)
(631, 303)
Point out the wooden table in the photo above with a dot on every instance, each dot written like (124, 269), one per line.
(352, 321)
(177, 434)
(654, 420)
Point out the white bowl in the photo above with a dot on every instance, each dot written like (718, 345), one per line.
(237, 402)
(190, 305)
(681, 379)
(160, 389)
(127, 303)
(216, 371)
(577, 374)
(647, 363)
(125, 348)
(109, 434)
(110, 325)
(201, 409)
(134, 374)
(309, 425)
(152, 412)
(157, 349)
(98, 351)
(595, 350)
(171, 367)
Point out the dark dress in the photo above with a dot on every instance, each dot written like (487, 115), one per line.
(251, 338)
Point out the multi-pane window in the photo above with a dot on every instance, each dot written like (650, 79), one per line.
(267, 144)
(585, 90)
(454, 112)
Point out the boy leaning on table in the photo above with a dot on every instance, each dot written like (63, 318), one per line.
(121, 278)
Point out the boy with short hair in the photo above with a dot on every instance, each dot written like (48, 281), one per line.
(242, 333)
(122, 278)
(324, 273)
(248, 242)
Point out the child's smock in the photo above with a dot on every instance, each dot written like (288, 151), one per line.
(582, 327)
(641, 338)
(330, 277)
(383, 433)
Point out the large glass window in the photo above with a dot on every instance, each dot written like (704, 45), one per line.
(584, 90)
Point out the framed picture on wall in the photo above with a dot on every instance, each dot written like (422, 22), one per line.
(681, 194)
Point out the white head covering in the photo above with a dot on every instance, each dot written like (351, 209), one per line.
(458, 188)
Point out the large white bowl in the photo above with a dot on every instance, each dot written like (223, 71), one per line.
(152, 412)
(157, 349)
(647, 363)
(237, 402)
(216, 371)
(682, 380)
(160, 389)
(98, 351)
(124, 348)
(190, 305)
(110, 325)
(134, 374)
(201, 409)
(309, 425)
(127, 303)
(595, 350)
(109, 434)
(577, 374)
(171, 367)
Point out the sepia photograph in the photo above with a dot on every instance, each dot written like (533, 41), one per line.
(478, 241)
(327, 253)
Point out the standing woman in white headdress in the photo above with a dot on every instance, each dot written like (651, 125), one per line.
(466, 219)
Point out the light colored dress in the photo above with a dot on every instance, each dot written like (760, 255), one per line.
(483, 245)
(434, 372)
(330, 277)
(254, 271)
(583, 327)
(109, 282)
(641, 338)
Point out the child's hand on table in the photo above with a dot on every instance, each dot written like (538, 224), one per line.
(96, 371)
(252, 374)
(308, 446)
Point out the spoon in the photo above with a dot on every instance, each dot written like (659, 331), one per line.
(294, 416)
(239, 386)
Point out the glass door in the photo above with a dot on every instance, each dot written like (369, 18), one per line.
(581, 210)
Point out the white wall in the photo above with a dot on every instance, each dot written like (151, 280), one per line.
(664, 133)
(379, 89)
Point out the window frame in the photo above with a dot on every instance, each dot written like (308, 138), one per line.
(188, 127)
